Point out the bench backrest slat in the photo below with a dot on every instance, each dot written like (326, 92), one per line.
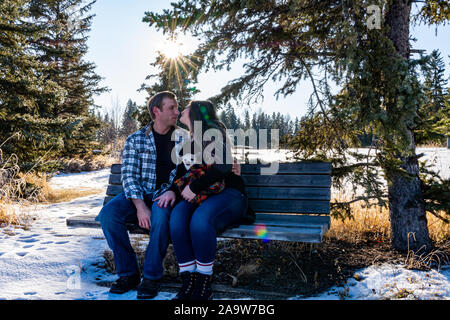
(323, 181)
(290, 206)
(290, 168)
(287, 193)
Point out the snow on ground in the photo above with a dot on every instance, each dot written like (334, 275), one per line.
(95, 180)
(54, 262)
(390, 281)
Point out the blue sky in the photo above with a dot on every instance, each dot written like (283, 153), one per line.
(122, 47)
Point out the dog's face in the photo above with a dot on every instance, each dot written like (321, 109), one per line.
(188, 160)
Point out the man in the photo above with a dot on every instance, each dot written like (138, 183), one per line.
(147, 171)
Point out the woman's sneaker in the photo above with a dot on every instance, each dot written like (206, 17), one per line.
(187, 287)
(125, 284)
(202, 288)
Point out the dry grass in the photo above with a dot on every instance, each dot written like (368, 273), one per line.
(20, 191)
(64, 195)
(423, 260)
(372, 224)
(15, 215)
(14, 185)
(366, 224)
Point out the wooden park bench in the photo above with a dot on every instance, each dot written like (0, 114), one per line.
(292, 205)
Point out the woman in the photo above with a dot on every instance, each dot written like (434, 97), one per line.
(193, 226)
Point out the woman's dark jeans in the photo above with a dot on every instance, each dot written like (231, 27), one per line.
(193, 228)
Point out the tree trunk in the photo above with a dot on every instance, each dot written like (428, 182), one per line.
(409, 230)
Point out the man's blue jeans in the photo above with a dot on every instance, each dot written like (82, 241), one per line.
(194, 228)
(113, 217)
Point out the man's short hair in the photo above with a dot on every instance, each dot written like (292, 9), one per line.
(156, 101)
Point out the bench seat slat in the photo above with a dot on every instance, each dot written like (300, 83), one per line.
(85, 221)
(313, 235)
(296, 220)
(266, 219)
(304, 233)
(88, 221)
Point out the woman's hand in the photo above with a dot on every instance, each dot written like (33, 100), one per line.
(187, 194)
(166, 198)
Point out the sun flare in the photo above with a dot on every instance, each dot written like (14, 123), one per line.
(178, 59)
(174, 48)
(171, 50)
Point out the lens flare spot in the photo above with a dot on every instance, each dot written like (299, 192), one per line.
(261, 232)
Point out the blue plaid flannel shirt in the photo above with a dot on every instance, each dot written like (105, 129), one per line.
(139, 163)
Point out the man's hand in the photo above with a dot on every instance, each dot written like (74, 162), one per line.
(236, 169)
(144, 217)
(187, 194)
(166, 198)
(143, 213)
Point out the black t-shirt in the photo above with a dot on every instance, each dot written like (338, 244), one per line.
(164, 164)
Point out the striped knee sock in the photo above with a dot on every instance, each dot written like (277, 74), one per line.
(187, 266)
(205, 268)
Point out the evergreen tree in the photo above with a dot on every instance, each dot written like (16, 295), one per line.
(233, 122)
(24, 88)
(372, 66)
(110, 129)
(247, 123)
(62, 49)
(434, 110)
(224, 119)
(129, 124)
(255, 124)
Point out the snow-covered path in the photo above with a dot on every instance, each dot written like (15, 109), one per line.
(52, 261)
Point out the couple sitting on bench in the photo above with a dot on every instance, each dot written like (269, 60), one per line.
(186, 203)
